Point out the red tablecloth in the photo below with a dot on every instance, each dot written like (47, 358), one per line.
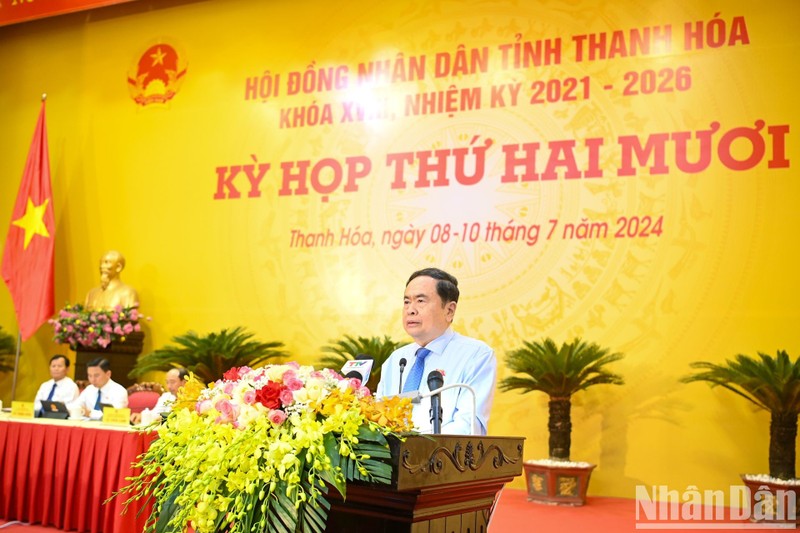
(59, 474)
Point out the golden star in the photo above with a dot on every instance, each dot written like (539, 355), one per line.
(158, 57)
(33, 221)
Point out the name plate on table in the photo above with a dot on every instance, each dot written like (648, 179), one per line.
(22, 409)
(117, 417)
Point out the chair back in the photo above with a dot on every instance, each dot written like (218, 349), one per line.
(146, 386)
(143, 396)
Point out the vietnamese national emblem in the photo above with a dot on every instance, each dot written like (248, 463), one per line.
(157, 75)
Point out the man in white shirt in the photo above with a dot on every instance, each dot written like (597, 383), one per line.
(176, 378)
(103, 390)
(60, 388)
(429, 306)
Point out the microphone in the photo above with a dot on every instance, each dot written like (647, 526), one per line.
(358, 368)
(436, 381)
(403, 363)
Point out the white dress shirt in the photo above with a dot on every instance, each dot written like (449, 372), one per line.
(66, 391)
(164, 404)
(461, 360)
(111, 393)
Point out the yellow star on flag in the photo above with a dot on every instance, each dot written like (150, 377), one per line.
(33, 221)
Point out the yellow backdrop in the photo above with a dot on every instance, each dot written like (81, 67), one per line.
(619, 171)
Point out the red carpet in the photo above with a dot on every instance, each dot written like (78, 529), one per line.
(514, 514)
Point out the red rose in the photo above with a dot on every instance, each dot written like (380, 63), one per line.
(231, 375)
(270, 395)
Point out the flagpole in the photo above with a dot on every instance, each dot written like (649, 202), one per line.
(16, 367)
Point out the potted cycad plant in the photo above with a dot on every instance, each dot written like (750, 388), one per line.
(8, 348)
(209, 356)
(559, 372)
(338, 352)
(772, 384)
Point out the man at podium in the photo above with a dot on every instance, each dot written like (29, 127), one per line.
(429, 305)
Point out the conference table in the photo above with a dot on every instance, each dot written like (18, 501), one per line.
(60, 472)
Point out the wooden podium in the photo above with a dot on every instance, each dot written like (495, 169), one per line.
(441, 483)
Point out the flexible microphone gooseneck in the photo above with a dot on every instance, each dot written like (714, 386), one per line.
(416, 397)
(403, 364)
(436, 381)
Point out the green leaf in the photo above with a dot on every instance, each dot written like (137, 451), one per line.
(167, 511)
(366, 433)
(560, 371)
(313, 517)
(373, 450)
(331, 444)
(340, 351)
(329, 477)
(8, 348)
(281, 515)
(210, 356)
(773, 384)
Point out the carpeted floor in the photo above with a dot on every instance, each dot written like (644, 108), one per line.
(515, 514)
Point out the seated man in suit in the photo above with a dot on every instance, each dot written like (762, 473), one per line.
(176, 378)
(102, 390)
(60, 388)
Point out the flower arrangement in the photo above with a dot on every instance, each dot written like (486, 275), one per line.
(78, 326)
(259, 449)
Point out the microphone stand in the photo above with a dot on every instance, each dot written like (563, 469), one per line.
(436, 413)
(435, 381)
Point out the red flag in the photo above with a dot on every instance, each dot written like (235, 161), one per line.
(28, 254)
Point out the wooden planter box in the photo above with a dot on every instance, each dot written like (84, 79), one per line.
(121, 355)
(557, 485)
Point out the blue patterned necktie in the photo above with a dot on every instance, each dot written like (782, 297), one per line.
(97, 403)
(52, 392)
(49, 397)
(415, 374)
